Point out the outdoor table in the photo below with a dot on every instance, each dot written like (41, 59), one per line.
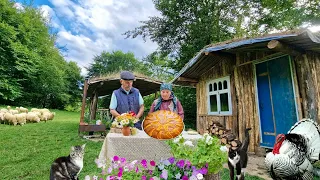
(138, 147)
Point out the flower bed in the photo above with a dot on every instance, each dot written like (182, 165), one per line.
(190, 162)
(120, 168)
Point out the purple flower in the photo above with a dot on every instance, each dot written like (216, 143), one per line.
(188, 164)
(185, 177)
(123, 160)
(171, 160)
(115, 158)
(144, 177)
(150, 172)
(180, 163)
(203, 170)
(109, 170)
(120, 169)
(137, 169)
(152, 163)
(144, 163)
(164, 174)
(101, 178)
(151, 179)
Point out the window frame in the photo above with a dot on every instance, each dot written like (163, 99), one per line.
(217, 93)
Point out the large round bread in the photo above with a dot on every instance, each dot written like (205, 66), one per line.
(163, 125)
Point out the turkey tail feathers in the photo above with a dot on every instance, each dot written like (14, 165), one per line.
(311, 133)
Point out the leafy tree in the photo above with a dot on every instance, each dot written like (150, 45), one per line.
(185, 27)
(116, 61)
(32, 70)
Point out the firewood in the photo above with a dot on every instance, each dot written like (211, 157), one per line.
(224, 140)
(235, 143)
(221, 132)
(217, 125)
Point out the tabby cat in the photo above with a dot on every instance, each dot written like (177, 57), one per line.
(238, 158)
(68, 167)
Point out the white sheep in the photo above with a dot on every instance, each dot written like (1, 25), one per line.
(21, 118)
(14, 111)
(23, 110)
(33, 117)
(2, 117)
(4, 110)
(10, 118)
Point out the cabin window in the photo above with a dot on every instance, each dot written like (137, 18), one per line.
(219, 97)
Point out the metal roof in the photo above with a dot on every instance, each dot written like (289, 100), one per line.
(106, 85)
(201, 63)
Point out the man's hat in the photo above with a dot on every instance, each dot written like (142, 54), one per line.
(126, 75)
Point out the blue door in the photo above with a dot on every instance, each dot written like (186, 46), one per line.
(277, 106)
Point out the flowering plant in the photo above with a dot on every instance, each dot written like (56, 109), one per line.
(125, 120)
(171, 168)
(207, 151)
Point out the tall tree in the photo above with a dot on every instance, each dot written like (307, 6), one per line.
(32, 70)
(114, 62)
(185, 27)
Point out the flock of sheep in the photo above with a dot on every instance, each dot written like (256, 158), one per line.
(21, 116)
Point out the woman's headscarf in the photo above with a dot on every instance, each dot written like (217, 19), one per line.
(167, 86)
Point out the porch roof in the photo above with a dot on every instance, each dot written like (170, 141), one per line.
(105, 85)
(304, 40)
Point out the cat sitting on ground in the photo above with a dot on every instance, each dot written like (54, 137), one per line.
(238, 158)
(68, 167)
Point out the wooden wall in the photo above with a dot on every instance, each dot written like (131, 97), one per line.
(243, 92)
(308, 73)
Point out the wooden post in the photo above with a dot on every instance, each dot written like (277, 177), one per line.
(85, 89)
(94, 106)
(281, 47)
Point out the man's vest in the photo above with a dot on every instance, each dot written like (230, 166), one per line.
(127, 102)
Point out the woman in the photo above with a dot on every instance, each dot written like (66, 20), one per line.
(167, 101)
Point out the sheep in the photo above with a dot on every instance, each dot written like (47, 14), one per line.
(10, 118)
(21, 118)
(47, 116)
(23, 110)
(33, 117)
(2, 117)
(8, 107)
(4, 110)
(14, 111)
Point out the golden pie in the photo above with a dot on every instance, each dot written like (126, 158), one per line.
(163, 125)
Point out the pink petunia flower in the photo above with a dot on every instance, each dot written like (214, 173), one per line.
(115, 158)
(185, 177)
(152, 163)
(180, 163)
(144, 177)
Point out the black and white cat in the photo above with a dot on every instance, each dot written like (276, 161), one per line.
(238, 158)
(68, 167)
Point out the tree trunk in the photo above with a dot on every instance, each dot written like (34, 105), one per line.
(212, 176)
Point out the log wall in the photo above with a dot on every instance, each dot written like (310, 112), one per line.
(308, 73)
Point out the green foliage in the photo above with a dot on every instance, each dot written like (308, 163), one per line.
(206, 151)
(114, 62)
(185, 27)
(32, 70)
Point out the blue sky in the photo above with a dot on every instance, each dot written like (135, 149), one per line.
(88, 27)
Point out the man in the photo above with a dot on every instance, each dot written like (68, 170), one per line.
(127, 98)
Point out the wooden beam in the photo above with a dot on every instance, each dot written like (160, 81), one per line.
(85, 89)
(184, 79)
(281, 47)
(94, 103)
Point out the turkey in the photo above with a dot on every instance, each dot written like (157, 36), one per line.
(293, 153)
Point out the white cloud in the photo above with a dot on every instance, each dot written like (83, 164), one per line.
(18, 6)
(89, 27)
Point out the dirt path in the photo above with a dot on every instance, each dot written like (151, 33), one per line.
(256, 167)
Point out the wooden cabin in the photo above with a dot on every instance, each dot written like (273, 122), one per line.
(96, 87)
(267, 83)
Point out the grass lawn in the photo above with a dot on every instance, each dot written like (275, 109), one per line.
(26, 152)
